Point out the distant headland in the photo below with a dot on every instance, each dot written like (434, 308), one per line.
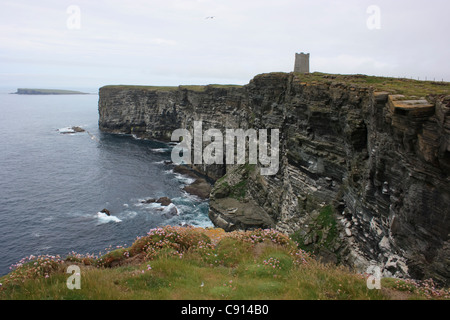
(46, 91)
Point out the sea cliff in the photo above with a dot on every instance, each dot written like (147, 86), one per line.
(364, 162)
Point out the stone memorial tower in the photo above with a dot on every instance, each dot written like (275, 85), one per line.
(301, 62)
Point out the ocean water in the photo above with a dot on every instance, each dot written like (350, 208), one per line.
(53, 185)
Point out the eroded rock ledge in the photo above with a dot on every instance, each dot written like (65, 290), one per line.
(380, 161)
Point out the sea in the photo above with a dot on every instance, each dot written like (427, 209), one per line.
(54, 183)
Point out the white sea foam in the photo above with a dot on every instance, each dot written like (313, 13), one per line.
(143, 203)
(104, 218)
(171, 210)
(44, 248)
(184, 179)
(161, 150)
(154, 205)
(66, 130)
(130, 214)
(192, 198)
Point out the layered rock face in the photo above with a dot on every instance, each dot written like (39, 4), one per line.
(378, 162)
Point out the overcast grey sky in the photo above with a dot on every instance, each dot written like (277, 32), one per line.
(170, 42)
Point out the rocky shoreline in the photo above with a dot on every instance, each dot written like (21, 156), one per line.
(201, 187)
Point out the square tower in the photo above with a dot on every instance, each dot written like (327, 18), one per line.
(301, 62)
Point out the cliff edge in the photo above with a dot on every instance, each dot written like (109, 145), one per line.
(364, 161)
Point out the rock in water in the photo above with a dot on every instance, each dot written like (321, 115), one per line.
(164, 201)
(78, 129)
(106, 211)
(68, 130)
(170, 210)
(149, 200)
(200, 188)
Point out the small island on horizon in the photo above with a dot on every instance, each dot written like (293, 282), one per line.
(46, 91)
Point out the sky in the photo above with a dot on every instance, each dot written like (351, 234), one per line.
(88, 44)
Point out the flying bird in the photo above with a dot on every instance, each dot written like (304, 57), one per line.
(211, 17)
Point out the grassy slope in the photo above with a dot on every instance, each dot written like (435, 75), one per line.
(196, 264)
(411, 89)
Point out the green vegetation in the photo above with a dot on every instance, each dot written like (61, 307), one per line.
(328, 222)
(143, 88)
(196, 88)
(194, 263)
(224, 86)
(237, 190)
(411, 89)
(322, 233)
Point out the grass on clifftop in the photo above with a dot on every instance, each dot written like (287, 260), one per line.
(196, 264)
(411, 89)
(196, 88)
